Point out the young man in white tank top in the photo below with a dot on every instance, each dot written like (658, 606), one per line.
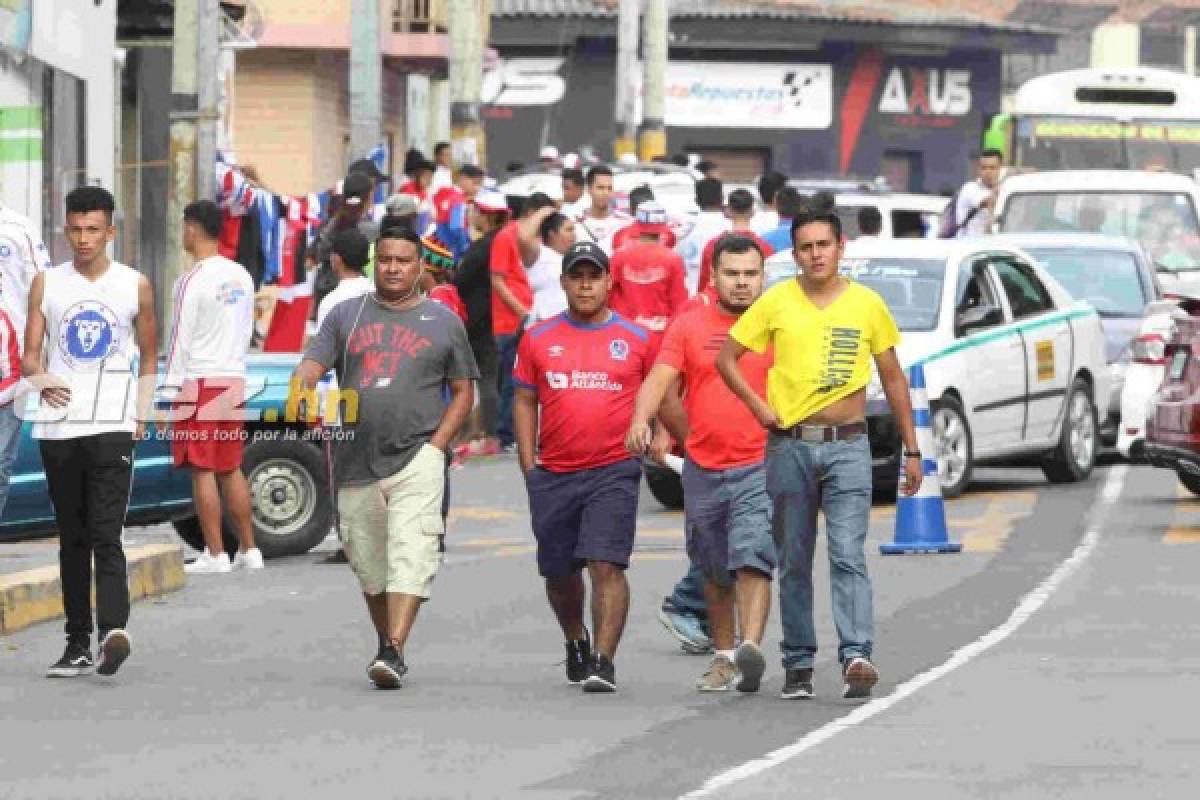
(90, 349)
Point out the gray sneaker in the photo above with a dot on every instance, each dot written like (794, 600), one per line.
(719, 677)
(687, 629)
(751, 664)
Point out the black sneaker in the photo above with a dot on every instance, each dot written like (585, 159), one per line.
(114, 649)
(859, 676)
(797, 683)
(601, 675)
(387, 670)
(579, 654)
(76, 660)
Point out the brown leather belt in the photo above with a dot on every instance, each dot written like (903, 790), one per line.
(823, 433)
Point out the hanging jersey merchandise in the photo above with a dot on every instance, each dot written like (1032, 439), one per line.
(235, 197)
(288, 322)
(90, 345)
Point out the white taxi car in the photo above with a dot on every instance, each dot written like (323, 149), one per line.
(1013, 365)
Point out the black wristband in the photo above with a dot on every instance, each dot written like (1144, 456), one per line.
(916, 454)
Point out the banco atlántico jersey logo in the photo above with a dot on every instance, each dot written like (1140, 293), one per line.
(89, 334)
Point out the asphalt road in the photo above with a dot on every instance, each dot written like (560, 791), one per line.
(253, 685)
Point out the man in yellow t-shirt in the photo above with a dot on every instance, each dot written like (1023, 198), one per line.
(825, 330)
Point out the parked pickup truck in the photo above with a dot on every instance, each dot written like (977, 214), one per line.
(284, 464)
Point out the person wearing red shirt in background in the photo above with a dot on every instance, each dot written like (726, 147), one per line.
(439, 263)
(728, 511)
(629, 233)
(741, 212)
(649, 287)
(582, 366)
(512, 303)
(420, 177)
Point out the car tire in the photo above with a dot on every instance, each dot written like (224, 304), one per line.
(289, 499)
(956, 455)
(1075, 456)
(1189, 481)
(665, 485)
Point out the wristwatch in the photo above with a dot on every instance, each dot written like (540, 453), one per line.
(912, 453)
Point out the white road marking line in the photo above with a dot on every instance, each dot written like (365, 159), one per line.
(1028, 606)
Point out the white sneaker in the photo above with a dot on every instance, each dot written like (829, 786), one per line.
(208, 564)
(250, 559)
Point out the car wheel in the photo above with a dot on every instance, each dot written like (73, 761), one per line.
(289, 496)
(289, 500)
(955, 449)
(1190, 482)
(1075, 456)
(665, 485)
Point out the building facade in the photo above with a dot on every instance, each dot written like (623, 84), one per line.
(58, 107)
(802, 89)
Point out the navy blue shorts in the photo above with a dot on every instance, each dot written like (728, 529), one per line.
(587, 515)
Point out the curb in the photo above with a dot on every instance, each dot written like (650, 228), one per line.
(35, 595)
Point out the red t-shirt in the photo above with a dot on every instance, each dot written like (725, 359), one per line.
(444, 201)
(648, 287)
(447, 295)
(722, 432)
(505, 261)
(586, 378)
(706, 259)
(628, 235)
(708, 297)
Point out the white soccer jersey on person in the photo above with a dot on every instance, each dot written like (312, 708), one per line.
(213, 323)
(22, 256)
(90, 344)
(601, 231)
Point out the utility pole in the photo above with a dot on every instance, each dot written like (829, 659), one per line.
(466, 25)
(628, 13)
(182, 168)
(366, 78)
(208, 54)
(653, 140)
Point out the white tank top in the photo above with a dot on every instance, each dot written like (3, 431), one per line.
(90, 344)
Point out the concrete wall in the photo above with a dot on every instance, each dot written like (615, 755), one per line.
(21, 127)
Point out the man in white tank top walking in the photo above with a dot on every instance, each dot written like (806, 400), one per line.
(90, 349)
(206, 362)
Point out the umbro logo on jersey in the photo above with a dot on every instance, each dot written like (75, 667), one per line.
(555, 351)
(618, 349)
(557, 380)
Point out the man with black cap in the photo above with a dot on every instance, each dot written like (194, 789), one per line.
(586, 363)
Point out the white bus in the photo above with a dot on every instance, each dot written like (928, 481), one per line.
(1129, 118)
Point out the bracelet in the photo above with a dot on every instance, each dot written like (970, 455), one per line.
(914, 454)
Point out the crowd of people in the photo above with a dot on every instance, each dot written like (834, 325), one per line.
(475, 330)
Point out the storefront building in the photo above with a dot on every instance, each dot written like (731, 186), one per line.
(756, 88)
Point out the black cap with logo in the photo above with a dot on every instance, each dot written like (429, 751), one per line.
(585, 253)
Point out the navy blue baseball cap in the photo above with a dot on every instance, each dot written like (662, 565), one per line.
(585, 252)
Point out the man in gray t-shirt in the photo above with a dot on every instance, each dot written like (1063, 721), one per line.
(409, 366)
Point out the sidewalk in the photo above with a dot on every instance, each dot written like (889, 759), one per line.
(30, 591)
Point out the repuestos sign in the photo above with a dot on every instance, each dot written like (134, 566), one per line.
(704, 94)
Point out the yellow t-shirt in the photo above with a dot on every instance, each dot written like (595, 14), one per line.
(821, 355)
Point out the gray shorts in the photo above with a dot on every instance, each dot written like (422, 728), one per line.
(728, 518)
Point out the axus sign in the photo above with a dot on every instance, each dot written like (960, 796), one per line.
(926, 92)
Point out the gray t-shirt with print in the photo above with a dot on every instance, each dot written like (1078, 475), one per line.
(399, 362)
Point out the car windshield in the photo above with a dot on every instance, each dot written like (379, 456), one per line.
(911, 287)
(1108, 280)
(1164, 222)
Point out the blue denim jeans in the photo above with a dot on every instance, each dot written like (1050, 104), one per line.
(506, 345)
(835, 478)
(688, 595)
(10, 440)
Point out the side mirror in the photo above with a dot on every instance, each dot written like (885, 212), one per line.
(972, 319)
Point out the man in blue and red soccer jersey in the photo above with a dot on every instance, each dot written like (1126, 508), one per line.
(586, 363)
(450, 207)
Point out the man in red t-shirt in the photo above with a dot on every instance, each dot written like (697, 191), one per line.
(649, 285)
(512, 303)
(582, 367)
(741, 212)
(727, 509)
